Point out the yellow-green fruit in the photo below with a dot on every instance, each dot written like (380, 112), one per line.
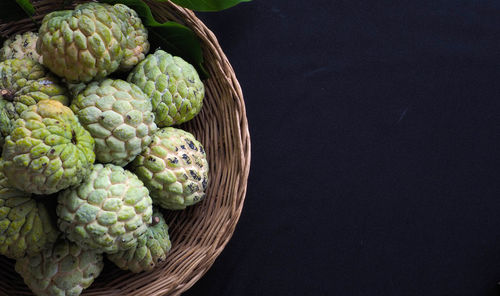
(46, 88)
(17, 73)
(118, 116)
(25, 225)
(48, 150)
(172, 84)
(107, 212)
(136, 45)
(151, 249)
(21, 46)
(5, 123)
(81, 44)
(64, 269)
(174, 167)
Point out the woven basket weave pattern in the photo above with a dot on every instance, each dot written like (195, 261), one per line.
(201, 232)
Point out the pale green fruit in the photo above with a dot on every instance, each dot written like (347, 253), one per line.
(151, 249)
(21, 46)
(135, 46)
(25, 225)
(5, 123)
(47, 88)
(174, 168)
(172, 84)
(48, 150)
(118, 116)
(107, 212)
(82, 44)
(64, 269)
(17, 73)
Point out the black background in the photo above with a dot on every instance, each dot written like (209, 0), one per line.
(375, 131)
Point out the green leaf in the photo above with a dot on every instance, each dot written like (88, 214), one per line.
(172, 37)
(26, 6)
(11, 10)
(206, 5)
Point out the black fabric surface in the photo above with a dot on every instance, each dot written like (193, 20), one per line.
(375, 132)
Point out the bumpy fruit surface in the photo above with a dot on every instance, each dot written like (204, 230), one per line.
(82, 44)
(151, 249)
(118, 116)
(21, 46)
(48, 150)
(65, 269)
(135, 45)
(25, 225)
(107, 212)
(174, 168)
(47, 88)
(173, 85)
(5, 123)
(17, 73)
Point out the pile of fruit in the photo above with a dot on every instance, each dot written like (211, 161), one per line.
(103, 148)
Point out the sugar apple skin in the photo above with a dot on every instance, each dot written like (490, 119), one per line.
(21, 46)
(64, 269)
(17, 73)
(119, 117)
(107, 212)
(174, 168)
(172, 84)
(48, 150)
(135, 45)
(81, 44)
(5, 124)
(25, 225)
(151, 249)
(46, 88)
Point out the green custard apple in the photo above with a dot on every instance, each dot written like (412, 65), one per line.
(47, 88)
(5, 123)
(136, 45)
(108, 212)
(119, 117)
(172, 84)
(48, 150)
(174, 167)
(21, 46)
(25, 225)
(64, 269)
(151, 249)
(17, 73)
(81, 44)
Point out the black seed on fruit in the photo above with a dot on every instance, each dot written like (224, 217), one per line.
(173, 160)
(73, 137)
(183, 147)
(52, 151)
(204, 183)
(195, 175)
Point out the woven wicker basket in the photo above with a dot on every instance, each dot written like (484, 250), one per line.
(200, 233)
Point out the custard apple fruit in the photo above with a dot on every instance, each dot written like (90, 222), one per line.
(47, 88)
(135, 45)
(107, 212)
(48, 150)
(118, 116)
(81, 44)
(174, 168)
(25, 225)
(5, 123)
(172, 84)
(17, 73)
(64, 269)
(151, 249)
(20, 46)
